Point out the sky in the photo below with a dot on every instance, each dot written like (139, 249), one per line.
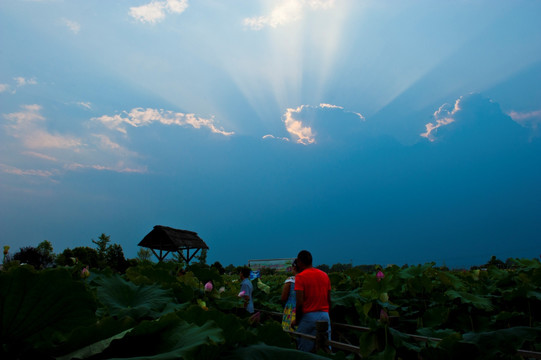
(367, 132)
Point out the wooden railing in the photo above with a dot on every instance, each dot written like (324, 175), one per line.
(322, 342)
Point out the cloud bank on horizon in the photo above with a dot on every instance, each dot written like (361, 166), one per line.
(296, 120)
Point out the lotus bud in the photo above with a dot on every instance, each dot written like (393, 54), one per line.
(380, 275)
(202, 304)
(221, 290)
(85, 273)
(208, 286)
(242, 293)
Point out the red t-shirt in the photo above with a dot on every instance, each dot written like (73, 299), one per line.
(316, 286)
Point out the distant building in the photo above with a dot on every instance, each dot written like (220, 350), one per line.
(276, 264)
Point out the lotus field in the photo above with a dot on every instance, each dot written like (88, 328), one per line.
(157, 311)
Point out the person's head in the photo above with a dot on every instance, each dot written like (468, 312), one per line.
(304, 260)
(294, 267)
(245, 272)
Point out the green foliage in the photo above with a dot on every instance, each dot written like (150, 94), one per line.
(144, 255)
(162, 311)
(114, 258)
(202, 257)
(218, 267)
(39, 257)
(266, 352)
(28, 255)
(205, 273)
(267, 271)
(169, 337)
(80, 255)
(324, 267)
(38, 307)
(231, 269)
(338, 267)
(102, 243)
(121, 298)
(45, 248)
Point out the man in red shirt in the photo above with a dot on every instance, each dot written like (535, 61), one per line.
(313, 290)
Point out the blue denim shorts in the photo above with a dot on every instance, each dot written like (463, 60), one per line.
(307, 325)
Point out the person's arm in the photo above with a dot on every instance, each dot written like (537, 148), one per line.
(285, 292)
(246, 298)
(299, 306)
(329, 299)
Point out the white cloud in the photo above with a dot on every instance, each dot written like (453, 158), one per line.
(21, 81)
(28, 172)
(177, 6)
(119, 167)
(303, 131)
(4, 87)
(302, 134)
(142, 117)
(40, 156)
(330, 106)
(531, 118)
(63, 152)
(285, 12)
(27, 125)
(107, 145)
(443, 116)
(24, 119)
(156, 10)
(86, 105)
(73, 26)
(269, 136)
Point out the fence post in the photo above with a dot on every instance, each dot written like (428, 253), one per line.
(322, 336)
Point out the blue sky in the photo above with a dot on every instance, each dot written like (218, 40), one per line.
(364, 131)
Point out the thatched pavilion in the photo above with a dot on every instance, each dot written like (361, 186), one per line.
(166, 240)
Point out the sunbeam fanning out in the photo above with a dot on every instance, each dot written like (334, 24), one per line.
(366, 131)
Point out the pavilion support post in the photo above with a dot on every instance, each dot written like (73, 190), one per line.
(159, 259)
(182, 256)
(322, 336)
(191, 257)
(161, 256)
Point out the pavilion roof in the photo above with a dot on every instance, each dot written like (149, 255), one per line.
(170, 239)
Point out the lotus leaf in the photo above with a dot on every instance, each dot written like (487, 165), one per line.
(477, 301)
(123, 298)
(266, 352)
(168, 338)
(35, 305)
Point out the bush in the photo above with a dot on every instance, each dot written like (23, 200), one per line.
(33, 256)
(82, 254)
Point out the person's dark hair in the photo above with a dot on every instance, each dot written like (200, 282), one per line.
(305, 257)
(246, 272)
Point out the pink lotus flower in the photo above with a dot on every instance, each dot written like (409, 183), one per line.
(208, 286)
(85, 273)
(242, 293)
(380, 275)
